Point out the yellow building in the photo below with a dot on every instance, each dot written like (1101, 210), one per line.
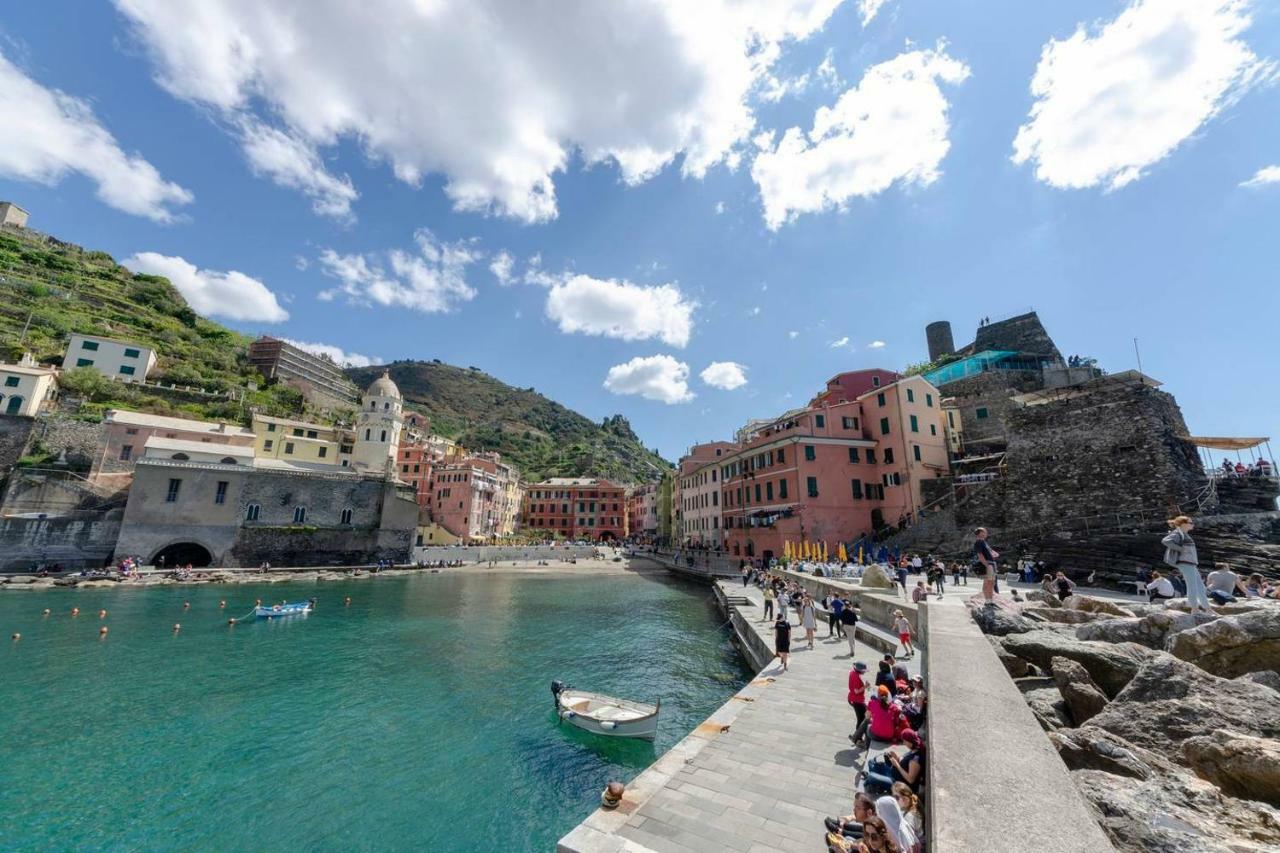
(299, 441)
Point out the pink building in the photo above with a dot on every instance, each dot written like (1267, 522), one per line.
(127, 433)
(464, 498)
(697, 497)
(642, 512)
(839, 469)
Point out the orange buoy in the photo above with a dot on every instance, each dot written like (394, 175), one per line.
(46, 612)
(102, 632)
(177, 626)
(75, 611)
(348, 599)
(102, 614)
(186, 605)
(221, 604)
(17, 637)
(231, 621)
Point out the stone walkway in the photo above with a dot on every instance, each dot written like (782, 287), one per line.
(784, 763)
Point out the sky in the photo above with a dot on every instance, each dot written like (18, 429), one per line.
(693, 214)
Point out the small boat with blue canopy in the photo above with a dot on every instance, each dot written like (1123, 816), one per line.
(296, 608)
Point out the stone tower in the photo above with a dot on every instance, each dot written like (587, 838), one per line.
(938, 336)
(378, 427)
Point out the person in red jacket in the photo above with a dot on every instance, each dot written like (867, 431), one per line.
(883, 718)
(858, 691)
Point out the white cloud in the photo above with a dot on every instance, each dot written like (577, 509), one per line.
(891, 127)
(725, 375)
(840, 343)
(49, 134)
(501, 267)
(868, 9)
(1113, 102)
(232, 295)
(620, 309)
(655, 377)
(755, 312)
(1264, 176)
(495, 95)
(876, 345)
(295, 164)
(432, 280)
(774, 89)
(793, 335)
(346, 359)
(719, 208)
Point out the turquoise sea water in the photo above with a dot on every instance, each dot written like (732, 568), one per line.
(418, 717)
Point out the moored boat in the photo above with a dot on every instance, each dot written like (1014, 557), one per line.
(605, 715)
(296, 608)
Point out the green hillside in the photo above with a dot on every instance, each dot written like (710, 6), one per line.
(540, 436)
(52, 289)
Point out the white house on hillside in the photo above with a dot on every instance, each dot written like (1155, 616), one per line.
(119, 360)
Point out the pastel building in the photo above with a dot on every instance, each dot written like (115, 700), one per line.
(300, 441)
(848, 465)
(126, 436)
(26, 386)
(642, 511)
(576, 508)
(119, 360)
(464, 498)
(415, 465)
(698, 494)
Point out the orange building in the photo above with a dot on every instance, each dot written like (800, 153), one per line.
(577, 508)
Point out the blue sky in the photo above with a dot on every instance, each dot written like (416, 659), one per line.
(633, 162)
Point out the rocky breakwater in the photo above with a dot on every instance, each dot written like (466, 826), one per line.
(1169, 722)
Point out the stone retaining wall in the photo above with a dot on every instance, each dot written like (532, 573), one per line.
(482, 553)
(74, 542)
(874, 606)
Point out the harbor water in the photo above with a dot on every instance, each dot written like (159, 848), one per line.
(419, 716)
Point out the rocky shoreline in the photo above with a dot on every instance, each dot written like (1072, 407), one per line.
(285, 575)
(1167, 720)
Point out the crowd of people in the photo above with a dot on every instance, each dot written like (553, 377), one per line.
(1258, 468)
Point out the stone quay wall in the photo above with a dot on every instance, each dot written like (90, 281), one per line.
(503, 553)
(302, 546)
(73, 542)
(995, 782)
(15, 436)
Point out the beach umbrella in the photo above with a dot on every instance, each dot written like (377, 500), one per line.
(824, 550)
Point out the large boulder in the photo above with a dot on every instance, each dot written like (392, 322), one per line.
(1084, 698)
(1232, 645)
(1042, 597)
(1045, 702)
(1240, 765)
(1175, 812)
(1169, 701)
(1267, 678)
(1014, 665)
(1111, 666)
(1150, 631)
(875, 577)
(1086, 604)
(1088, 748)
(1061, 615)
(999, 622)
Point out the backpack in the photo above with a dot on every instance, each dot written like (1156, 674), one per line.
(1172, 548)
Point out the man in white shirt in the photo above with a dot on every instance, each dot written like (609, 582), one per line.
(1160, 587)
(917, 563)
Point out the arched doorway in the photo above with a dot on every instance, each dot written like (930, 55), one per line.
(13, 406)
(607, 536)
(182, 554)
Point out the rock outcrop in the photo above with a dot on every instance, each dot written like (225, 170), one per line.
(875, 577)
(1084, 699)
(998, 622)
(1086, 604)
(1111, 666)
(1240, 765)
(1151, 630)
(1232, 645)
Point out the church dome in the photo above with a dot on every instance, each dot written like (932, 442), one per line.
(383, 386)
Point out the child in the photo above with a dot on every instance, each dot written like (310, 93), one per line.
(903, 627)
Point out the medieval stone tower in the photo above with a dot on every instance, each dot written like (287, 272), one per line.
(378, 427)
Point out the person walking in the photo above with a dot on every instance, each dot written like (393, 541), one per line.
(1180, 552)
(746, 575)
(849, 623)
(903, 629)
(784, 601)
(834, 605)
(782, 639)
(769, 596)
(902, 577)
(808, 619)
(984, 563)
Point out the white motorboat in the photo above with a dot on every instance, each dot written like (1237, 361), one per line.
(605, 715)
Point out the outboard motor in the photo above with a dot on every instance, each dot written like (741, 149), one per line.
(556, 688)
